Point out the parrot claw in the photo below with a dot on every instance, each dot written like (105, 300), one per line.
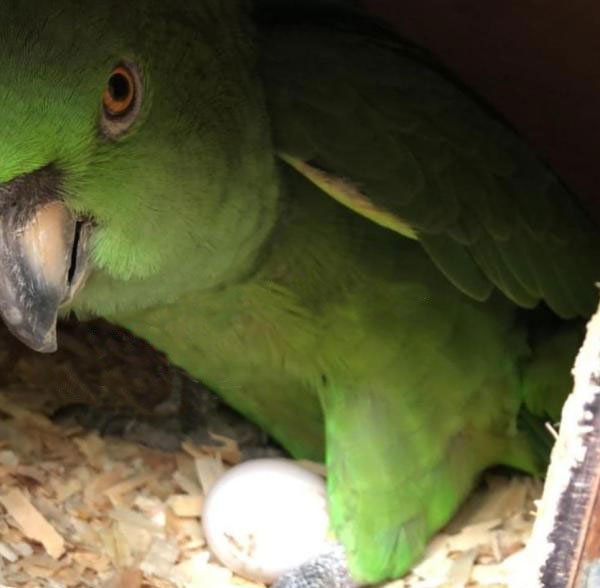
(328, 570)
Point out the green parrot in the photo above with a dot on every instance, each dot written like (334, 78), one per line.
(312, 217)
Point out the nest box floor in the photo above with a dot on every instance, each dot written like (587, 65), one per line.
(81, 510)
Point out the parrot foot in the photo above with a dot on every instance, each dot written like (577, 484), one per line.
(167, 433)
(328, 570)
(164, 435)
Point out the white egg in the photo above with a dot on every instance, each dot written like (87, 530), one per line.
(265, 517)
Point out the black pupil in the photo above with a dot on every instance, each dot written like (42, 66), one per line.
(118, 86)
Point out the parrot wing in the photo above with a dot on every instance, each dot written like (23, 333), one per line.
(387, 132)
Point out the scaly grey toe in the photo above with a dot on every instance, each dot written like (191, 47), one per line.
(329, 570)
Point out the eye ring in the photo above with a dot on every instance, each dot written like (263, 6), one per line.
(121, 99)
(119, 92)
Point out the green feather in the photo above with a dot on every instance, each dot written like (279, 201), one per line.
(314, 218)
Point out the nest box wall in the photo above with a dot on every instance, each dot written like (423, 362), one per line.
(536, 61)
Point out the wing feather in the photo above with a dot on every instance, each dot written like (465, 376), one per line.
(387, 121)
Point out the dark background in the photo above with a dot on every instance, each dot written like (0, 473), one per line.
(536, 61)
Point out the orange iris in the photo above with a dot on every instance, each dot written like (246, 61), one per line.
(119, 91)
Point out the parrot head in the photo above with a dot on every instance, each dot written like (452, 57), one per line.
(127, 132)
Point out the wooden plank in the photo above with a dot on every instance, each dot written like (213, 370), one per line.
(565, 545)
(586, 567)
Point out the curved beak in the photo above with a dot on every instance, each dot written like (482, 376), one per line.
(43, 256)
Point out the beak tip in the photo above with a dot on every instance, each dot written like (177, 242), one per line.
(48, 347)
(48, 343)
(45, 343)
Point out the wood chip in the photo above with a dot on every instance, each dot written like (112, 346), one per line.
(228, 449)
(459, 574)
(7, 552)
(127, 579)
(92, 446)
(209, 469)
(32, 522)
(115, 493)
(186, 484)
(134, 518)
(160, 559)
(185, 505)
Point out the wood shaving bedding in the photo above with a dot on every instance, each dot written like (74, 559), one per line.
(78, 510)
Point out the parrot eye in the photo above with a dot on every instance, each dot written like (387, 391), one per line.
(121, 99)
(119, 92)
